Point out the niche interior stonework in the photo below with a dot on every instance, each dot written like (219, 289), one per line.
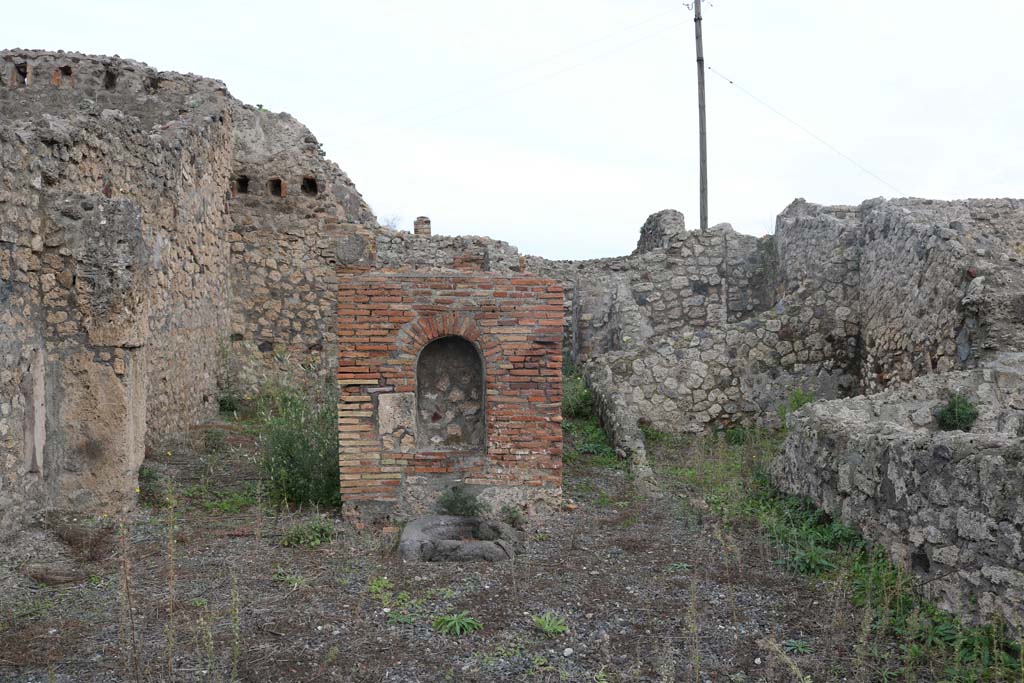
(449, 378)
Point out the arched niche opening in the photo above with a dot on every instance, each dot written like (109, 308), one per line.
(450, 396)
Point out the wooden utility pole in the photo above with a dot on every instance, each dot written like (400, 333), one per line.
(703, 121)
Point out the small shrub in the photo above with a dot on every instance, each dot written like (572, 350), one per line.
(458, 500)
(577, 401)
(512, 516)
(298, 439)
(797, 400)
(152, 489)
(456, 624)
(958, 414)
(229, 403)
(550, 624)
(311, 534)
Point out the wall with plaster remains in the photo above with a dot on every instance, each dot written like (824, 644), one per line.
(136, 288)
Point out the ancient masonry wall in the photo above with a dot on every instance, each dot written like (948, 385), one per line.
(387, 457)
(130, 298)
(947, 505)
(940, 286)
(110, 230)
(296, 223)
(689, 327)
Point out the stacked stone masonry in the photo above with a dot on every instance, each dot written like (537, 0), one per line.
(136, 286)
(449, 378)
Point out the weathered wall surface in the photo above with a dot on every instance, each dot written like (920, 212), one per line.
(295, 219)
(948, 505)
(129, 295)
(920, 262)
(111, 212)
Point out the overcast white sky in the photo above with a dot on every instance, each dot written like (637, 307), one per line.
(559, 125)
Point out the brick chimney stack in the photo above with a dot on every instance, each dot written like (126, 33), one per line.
(421, 227)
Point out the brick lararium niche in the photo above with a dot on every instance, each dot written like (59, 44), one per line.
(449, 378)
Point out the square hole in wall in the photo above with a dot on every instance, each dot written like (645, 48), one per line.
(21, 71)
(276, 187)
(242, 184)
(109, 80)
(309, 186)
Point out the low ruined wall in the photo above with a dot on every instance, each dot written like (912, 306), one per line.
(948, 506)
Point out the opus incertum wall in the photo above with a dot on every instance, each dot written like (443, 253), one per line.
(449, 378)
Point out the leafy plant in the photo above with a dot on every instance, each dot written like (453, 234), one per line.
(797, 400)
(456, 624)
(577, 401)
(458, 500)
(299, 445)
(311, 534)
(550, 624)
(959, 414)
(512, 516)
(380, 585)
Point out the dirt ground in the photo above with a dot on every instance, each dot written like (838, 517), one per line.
(650, 590)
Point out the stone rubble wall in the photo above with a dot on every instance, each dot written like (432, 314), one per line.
(948, 506)
(920, 261)
(110, 219)
(135, 287)
(287, 252)
(688, 327)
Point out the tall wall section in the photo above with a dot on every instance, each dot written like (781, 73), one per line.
(296, 224)
(137, 283)
(112, 213)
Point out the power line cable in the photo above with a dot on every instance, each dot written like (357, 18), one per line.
(504, 75)
(806, 130)
(550, 75)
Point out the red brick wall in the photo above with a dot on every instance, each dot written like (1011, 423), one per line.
(385, 319)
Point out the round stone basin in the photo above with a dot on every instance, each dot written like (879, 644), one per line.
(447, 538)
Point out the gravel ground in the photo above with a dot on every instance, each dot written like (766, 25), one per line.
(650, 590)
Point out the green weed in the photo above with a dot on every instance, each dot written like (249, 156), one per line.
(311, 534)
(298, 440)
(550, 624)
(456, 624)
(458, 500)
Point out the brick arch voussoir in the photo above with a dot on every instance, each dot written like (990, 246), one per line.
(413, 336)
